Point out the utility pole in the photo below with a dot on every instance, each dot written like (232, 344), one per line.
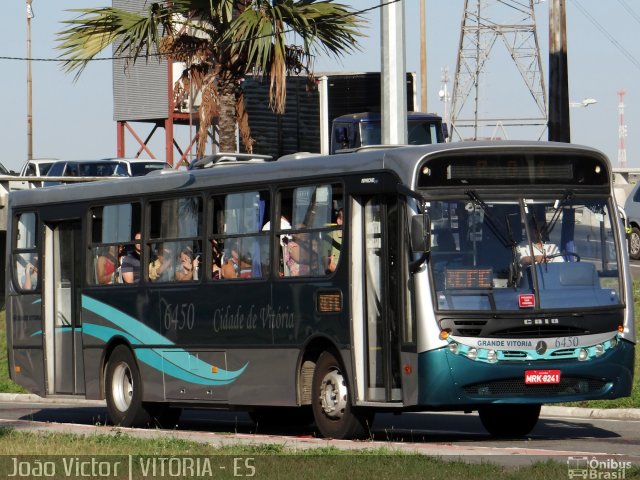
(559, 121)
(423, 56)
(622, 132)
(29, 86)
(394, 77)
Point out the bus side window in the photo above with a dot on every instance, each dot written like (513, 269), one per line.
(25, 244)
(313, 244)
(112, 236)
(240, 236)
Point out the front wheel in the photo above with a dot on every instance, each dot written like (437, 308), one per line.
(332, 410)
(124, 390)
(509, 420)
(634, 243)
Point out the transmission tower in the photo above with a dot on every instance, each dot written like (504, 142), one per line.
(489, 95)
(622, 132)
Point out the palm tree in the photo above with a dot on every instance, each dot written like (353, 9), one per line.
(220, 41)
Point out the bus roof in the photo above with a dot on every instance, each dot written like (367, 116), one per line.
(402, 160)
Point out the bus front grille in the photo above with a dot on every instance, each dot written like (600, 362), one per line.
(512, 387)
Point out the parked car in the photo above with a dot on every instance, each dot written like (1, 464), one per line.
(632, 210)
(142, 166)
(86, 168)
(106, 167)
(37, 167)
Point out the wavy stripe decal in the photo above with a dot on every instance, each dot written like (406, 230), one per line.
(134, 331)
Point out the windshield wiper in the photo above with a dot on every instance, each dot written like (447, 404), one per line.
(559, 205)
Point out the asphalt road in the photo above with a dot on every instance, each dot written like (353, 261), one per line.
(635, 269)
(447, 435)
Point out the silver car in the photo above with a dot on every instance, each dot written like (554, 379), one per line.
(632, 209)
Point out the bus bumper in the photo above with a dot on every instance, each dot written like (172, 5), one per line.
(449, 379)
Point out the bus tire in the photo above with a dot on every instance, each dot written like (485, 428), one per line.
(124, 390)
(634, 243)
(509, 420)
(332, 410)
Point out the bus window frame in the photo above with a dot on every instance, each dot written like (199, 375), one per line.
(18, 252)
(210, 221)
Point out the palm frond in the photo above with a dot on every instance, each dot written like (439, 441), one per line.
(258, 37)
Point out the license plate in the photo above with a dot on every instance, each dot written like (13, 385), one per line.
(541, 377)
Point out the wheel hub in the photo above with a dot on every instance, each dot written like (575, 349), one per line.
(333, 394)
(122, 388)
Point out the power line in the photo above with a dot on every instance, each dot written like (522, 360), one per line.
(630, 10)
(610, 37)
(130, 57)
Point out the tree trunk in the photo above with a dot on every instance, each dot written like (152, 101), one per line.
(227, 122)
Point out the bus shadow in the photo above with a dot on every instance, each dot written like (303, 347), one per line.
(407, 427)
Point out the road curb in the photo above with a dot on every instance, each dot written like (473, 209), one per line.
(600, 413)
(547, 411)
(30, 397)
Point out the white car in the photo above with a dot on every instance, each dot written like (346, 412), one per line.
(37, 167)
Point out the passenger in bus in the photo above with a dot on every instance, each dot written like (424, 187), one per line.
(236, 266)
(284, 239)
(161, 269)
(131, 263)
(298, 255)
(187, 265)
(106, 264)
(336, 243)
(30, 279)
(216, 262)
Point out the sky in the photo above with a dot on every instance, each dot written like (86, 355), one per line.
(73, 119)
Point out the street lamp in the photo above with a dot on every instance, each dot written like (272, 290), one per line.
(584, 103)
(29, 85)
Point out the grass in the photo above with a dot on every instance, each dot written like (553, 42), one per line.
(6, 385)
(270, 461)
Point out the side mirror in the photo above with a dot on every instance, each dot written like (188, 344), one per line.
(420, 239)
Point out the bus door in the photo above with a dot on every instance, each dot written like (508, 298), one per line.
(63, 329)
(375, 302)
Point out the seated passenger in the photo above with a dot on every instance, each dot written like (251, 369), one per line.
(130, 267)
(298, 255)
(236, 266)
(187, 265)
(106, 266)
(161, 269)
(336, 244)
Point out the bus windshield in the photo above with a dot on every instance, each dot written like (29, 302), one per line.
(519, 253)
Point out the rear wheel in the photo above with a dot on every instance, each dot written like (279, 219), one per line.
(509, 420)
(634, 243)
(332, 410)
(124, 390)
